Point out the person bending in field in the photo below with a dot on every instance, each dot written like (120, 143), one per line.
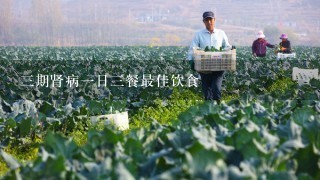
(211, 37)
(284, 45)
(259, 46)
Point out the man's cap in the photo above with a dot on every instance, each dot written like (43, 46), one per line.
(208, 14)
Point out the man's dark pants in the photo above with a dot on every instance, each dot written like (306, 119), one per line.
(211, 85)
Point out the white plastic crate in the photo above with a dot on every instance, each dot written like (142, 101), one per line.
(283, 55)
(119, 120)
(303, 76)
(214, 61)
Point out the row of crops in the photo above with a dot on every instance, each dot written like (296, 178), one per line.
(266, 128)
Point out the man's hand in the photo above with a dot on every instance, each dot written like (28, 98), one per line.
(191, 62)
(283, 49)
(254, 54)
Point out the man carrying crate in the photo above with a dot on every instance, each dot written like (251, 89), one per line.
(211, 37)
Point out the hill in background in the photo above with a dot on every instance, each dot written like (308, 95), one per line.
(153, 22)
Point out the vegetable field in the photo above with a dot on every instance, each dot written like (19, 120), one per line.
(267, 126)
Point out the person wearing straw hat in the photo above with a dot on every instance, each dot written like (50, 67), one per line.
(259, 46)
(211, 37)
(285, 45)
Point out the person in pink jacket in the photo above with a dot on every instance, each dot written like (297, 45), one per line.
(259, 46)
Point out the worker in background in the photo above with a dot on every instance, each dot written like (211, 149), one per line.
(284, 45)
(259, 46)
